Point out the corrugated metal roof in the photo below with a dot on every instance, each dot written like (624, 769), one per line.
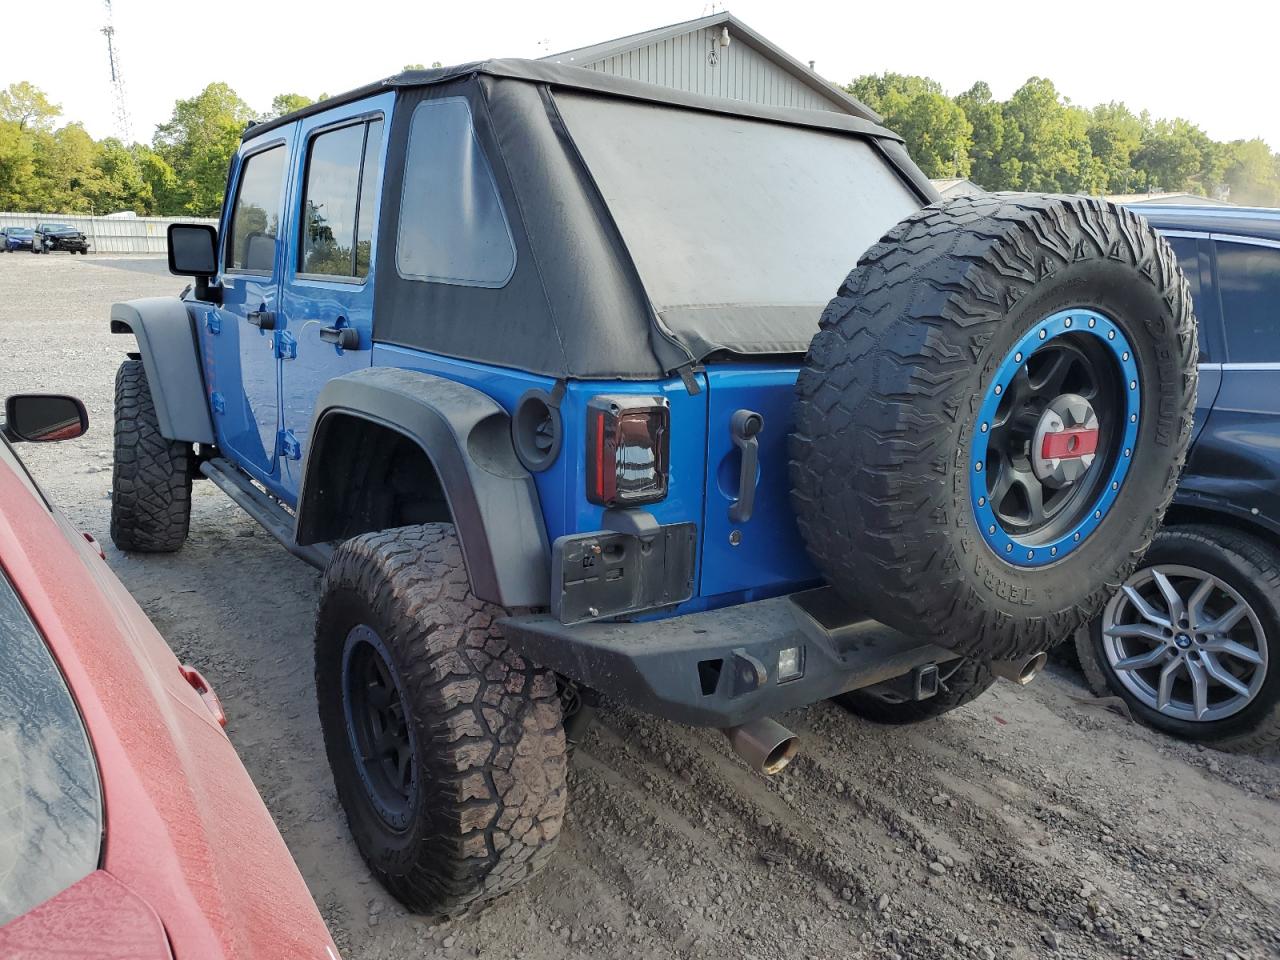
(677, 56)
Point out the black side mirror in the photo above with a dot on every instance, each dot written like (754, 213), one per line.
(44, 417)
(193, 252)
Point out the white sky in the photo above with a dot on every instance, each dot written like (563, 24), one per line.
(1211, 61)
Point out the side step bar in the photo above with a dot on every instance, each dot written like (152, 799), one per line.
(264, 508)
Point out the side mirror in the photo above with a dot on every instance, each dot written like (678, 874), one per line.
(193, 252)
(44, 417)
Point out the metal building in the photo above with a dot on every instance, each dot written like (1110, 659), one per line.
(718, 56)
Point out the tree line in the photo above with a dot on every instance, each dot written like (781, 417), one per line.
(1036, 140)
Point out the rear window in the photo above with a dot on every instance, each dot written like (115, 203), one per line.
(50, 804)
(1249, 285)
(722, 213)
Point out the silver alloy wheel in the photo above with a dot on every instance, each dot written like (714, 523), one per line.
(1185, 643)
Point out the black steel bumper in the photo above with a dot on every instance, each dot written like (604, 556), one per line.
(721, 668)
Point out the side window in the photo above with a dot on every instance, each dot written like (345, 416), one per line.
(339, 199)
(1249, 285)
(452, 226)
(1187, 250)
(255, 220)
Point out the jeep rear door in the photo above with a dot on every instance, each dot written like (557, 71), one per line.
(239, 346)
(326, 315)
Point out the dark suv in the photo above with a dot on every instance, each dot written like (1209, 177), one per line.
(49, 237)
(534, 362)
(1187, 640)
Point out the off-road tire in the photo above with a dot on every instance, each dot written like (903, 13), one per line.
(151, 476)
(490, 747)
(969, 681)
(1252, 567)
(890, 391)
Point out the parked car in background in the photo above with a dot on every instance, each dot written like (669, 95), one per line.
(128, 826)
(1188, 640)
(15, 238)
(58, 236)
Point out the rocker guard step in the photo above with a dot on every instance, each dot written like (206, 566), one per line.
(719, 668)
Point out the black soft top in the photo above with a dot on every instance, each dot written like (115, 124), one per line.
(577, 305)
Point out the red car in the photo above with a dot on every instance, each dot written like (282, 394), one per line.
(128, 826)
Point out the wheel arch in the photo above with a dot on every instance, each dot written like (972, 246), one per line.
(392, 447)
(1214, 513)
(165, 331)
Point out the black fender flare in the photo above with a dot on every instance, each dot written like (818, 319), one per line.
(467, 437)
(165, 331)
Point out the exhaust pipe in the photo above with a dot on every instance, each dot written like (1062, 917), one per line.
(766, 745)
(1021, 671)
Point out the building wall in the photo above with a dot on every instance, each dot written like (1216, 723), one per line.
(740, 73)
(109, 234)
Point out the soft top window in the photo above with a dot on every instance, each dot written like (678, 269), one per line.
(741, 229)
(452, 226)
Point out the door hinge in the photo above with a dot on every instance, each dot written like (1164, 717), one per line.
(287, 445)
(218, 403)
(212, 322)
(286, 345)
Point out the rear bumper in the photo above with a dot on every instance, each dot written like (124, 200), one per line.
(721, 668)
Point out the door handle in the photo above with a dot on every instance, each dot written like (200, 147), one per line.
(347, 338)
(262, 319)
(744, 428)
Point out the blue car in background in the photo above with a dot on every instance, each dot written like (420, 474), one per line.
(1186, 642)
(15, 238)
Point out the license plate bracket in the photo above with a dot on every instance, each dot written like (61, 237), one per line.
(608, 574)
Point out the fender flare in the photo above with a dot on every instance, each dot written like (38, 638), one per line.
(165, 331)
(467, 437)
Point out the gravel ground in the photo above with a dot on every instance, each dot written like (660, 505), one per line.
(1034, 822)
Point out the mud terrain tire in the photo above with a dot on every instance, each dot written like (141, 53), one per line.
(150, 476)
(907, 369)
(485, 765)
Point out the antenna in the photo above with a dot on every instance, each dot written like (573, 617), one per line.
(119, 101)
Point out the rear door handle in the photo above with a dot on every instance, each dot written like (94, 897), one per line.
(744, 427)
(347, 338)
(262, 319)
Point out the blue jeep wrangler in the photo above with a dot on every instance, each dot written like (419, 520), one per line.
(528, 360)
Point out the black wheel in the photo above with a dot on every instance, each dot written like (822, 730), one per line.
(1187, 640)
(446, 747)
(959, 683)
(151, 476)
(992, 418)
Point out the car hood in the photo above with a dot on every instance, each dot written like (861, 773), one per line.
(186, 831)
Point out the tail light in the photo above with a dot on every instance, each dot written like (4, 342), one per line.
(627, 450)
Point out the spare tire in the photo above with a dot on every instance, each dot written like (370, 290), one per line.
(991, 420)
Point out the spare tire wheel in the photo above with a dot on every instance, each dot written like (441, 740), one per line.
(991, 420)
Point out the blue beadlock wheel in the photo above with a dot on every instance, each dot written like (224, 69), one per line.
(1054, 437)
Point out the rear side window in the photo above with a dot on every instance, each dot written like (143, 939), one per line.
(339, 200)
(1249, 285)
(452, 226)
(1187, 250)
(50, 802)
(255, 221)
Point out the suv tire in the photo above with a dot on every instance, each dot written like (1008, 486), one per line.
(1251, 569)
(151, 476)
(967, 682)
(947, 349)
(473, 801)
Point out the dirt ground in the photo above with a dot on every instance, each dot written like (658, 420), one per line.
(1035, 822)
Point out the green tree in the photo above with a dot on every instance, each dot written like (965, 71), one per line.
(122, 185)
(66, 176)
(1170, 156)
(17, 167)
(1115, 133)
(937, 133)
(993, 164)
(1252, 173)
(26, 105)
(1053, 140)
(283, 103)
(198, 143)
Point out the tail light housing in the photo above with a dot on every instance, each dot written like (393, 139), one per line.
(628, 446)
